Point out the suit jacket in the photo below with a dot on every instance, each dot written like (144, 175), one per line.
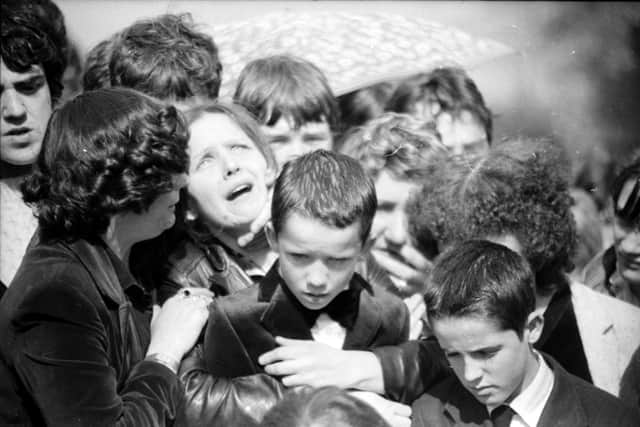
(248, 321)
(74, 328)
(610, 333)
(572, 403)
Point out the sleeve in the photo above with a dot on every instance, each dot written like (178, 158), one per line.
(213, 401)
(410, 368)
(64, 362)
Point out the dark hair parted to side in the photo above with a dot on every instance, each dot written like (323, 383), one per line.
(322, 407)
(33, 33)
(327, 186)
(519, 187)
(482, 279)
(398, 143)
(450, 88)
(286, 86)
(241, 117)
(628, 209)
(105, 152)
(167, 58)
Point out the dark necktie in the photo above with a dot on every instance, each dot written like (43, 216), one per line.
(501, 416)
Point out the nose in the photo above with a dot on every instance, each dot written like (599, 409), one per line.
(296, 148)
(230, 166)
(396, 230)
(317, 276)
(13, 107)
(472, 370)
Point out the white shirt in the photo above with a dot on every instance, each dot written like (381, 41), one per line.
(529, 404)
(328, 331)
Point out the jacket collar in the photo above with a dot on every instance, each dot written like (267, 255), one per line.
(282, 318)
(563, 403)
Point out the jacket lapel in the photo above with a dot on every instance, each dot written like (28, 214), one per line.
(281, 318)
(563, 408)
(367, 324)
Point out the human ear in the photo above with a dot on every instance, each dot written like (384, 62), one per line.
(533, 327)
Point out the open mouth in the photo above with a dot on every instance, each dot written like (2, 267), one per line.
(238, 192)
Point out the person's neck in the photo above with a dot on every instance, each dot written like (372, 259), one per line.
(7, 170)
(257, 250)
(117, 240)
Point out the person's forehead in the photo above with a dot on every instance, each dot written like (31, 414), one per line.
(9, 77)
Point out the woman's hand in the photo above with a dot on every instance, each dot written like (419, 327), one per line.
(176, 326)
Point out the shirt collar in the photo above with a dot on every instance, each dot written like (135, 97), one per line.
(528, 405)
(138, 295)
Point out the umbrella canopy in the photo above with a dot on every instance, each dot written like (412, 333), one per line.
(353, 50)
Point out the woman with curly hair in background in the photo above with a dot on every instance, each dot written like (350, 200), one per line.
(78, 344)
(517, 194)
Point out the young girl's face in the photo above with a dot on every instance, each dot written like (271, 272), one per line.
(289, 143)
(227, 174)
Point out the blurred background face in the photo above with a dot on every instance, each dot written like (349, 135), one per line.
(227, 173)
(463, 134)
(26, 107)
(491, 363)
(626, 240)
(392, 247)
(316, 261)
(289, 143)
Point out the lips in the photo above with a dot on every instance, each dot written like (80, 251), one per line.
(238, 191)
(17, 131)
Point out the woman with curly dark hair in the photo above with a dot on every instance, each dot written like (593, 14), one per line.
(517, 194)
(76, 348)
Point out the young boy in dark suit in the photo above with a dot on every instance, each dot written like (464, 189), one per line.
(481, 307)
(322, 210)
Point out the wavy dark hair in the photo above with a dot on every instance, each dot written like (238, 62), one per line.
(33, 33)
(104, 152)
(165, 57)
(520, 187)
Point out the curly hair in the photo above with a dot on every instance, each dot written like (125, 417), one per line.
(105, 152)
(164, 57)
(395, 142)
(33, 33)
(519, 187)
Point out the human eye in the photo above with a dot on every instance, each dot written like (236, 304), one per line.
(298, 257)
(486, 353)
(338, 261)
(205, 161)
(30, 86)
(278, 140)
(239, 146)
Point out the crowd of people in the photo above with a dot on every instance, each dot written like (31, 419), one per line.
(293, 258)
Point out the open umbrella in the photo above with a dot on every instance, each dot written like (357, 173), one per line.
(353, 50)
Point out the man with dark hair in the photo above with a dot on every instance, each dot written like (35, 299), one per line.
(481, 305)
(165, 57)
(616, 271)
(33, 55)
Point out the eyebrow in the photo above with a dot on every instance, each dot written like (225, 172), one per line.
(29, 77)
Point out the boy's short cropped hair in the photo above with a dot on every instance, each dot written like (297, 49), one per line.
(327, 186)
(33, 33)
(167, 58)
(398, 143)
(483, 279)
(286, 86)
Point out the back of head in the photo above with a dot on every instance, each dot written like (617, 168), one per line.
(96, 67)
(33, 33)
(447, 89)
(327, 186)
(625, 192)
(322, 407)
(286, 86)
(362, 105)
(394, 142)
(477, 278)
(520, 187)
(105, 152)
(167, 58)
